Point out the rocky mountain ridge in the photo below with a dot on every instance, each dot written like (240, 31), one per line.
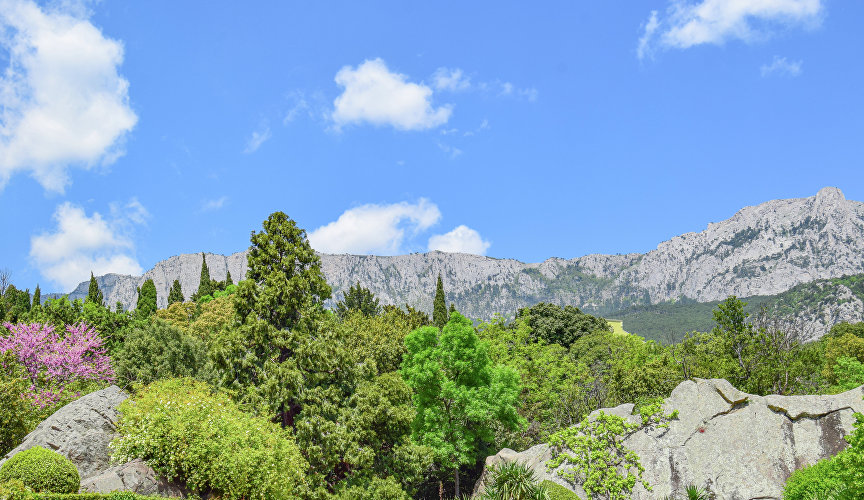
(761, 250)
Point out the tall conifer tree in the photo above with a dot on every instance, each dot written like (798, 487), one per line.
(439, 307)
(94, 294)
(176, 293)
(146, 299)
(37, 297)
(228, 280)
(205, 287)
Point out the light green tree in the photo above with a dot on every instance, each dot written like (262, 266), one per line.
(459, 396)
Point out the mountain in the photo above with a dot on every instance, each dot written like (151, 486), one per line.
(761, 250)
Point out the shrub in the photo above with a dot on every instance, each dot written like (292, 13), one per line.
(14, 490)
(558, 492)
(42, 470)
(14, 409)
(184, 430)
(514, 481)
(158, 351)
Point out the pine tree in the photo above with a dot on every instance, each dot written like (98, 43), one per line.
(37, 297)
(94, 294)
(439, 307)
(176, 293)
(228, 280)
(205, 287)
(452, 308)
(146, 299)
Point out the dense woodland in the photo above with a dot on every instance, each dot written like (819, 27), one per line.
(256, 390)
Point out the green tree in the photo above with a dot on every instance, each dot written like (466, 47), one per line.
(94, 294)
(228, 280)
(176, 293)
(439, 306)
(37, 297)
(205, 286)
(561, 325)
(460, 397)
(359, 299)
(146, 304)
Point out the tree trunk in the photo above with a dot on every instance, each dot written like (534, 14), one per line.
(456, 494)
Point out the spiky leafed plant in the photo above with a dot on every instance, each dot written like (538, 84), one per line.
(514, 481)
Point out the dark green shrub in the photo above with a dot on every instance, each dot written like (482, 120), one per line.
(42, 470)
(377, 489)
(514, 481)
(182, 429)
(158, 351)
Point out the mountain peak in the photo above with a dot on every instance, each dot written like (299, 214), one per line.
(829, 195)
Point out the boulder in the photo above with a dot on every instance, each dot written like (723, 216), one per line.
(80, 431)
(738, 445)
(134, 476)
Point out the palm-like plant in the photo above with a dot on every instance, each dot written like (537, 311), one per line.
(513, 481)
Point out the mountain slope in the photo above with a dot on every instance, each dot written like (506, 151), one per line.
(762, 250)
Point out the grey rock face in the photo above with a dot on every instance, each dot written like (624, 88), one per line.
(134, 476)
(80, 431)
(739, 445)
(761, 250)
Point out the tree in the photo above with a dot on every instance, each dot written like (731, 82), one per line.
(176, 293)
(359, 299)
(94, 294)
(37, 297)
(146, 304)
(205, 287)
(439, 306)
(561, 325)
(459, 396)
(228, 280)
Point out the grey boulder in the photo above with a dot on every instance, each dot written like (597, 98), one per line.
(134, 476)
(80, 431)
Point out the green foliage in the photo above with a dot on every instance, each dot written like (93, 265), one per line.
(358, 299)
(459, 396)
(16, 303)
(558, 492)
(42, 471)
(15, 490)
(159, 350)
(37, 297)
(849, 373)
(839, 345)
(841, 329)
(377, 489)
(593, 454)
(413, 317)
(380, 339)
(94, 294)
(513, 481)
(439, 305)
(146, 304)
(562, 326)
(184, 430)
(176, 293)
(14, 410)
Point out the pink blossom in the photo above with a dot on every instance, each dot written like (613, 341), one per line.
(54, 362)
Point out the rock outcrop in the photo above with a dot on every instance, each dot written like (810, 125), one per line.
(134, 476)
(761, 250)
(738, 445)
(80, 431)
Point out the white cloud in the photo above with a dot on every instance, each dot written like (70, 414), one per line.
(461, 239)
(82, 244)
(780, 66)
(211, 205)
(450, 79)
(258, 137)
(451, 151)
(62, 101)
(372, 94)
(374, 229)
(687, 24)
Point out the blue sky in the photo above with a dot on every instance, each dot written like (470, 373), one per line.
(133, 131)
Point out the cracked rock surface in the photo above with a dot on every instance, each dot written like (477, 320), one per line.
(80, 431)
(739, 445)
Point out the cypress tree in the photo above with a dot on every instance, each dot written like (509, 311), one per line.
(452, 308)
(146, 299)
(37, 297)
(94, 294)
(176, 293)
(205, 287)
(439, 307)
(228, 280)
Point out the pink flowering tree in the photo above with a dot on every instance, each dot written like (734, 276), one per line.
(58, 366)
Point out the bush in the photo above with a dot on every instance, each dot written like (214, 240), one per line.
(184, 430)
(14, 409)
(514, 481)
(558, 492)
(42, 470)
(159, 351)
